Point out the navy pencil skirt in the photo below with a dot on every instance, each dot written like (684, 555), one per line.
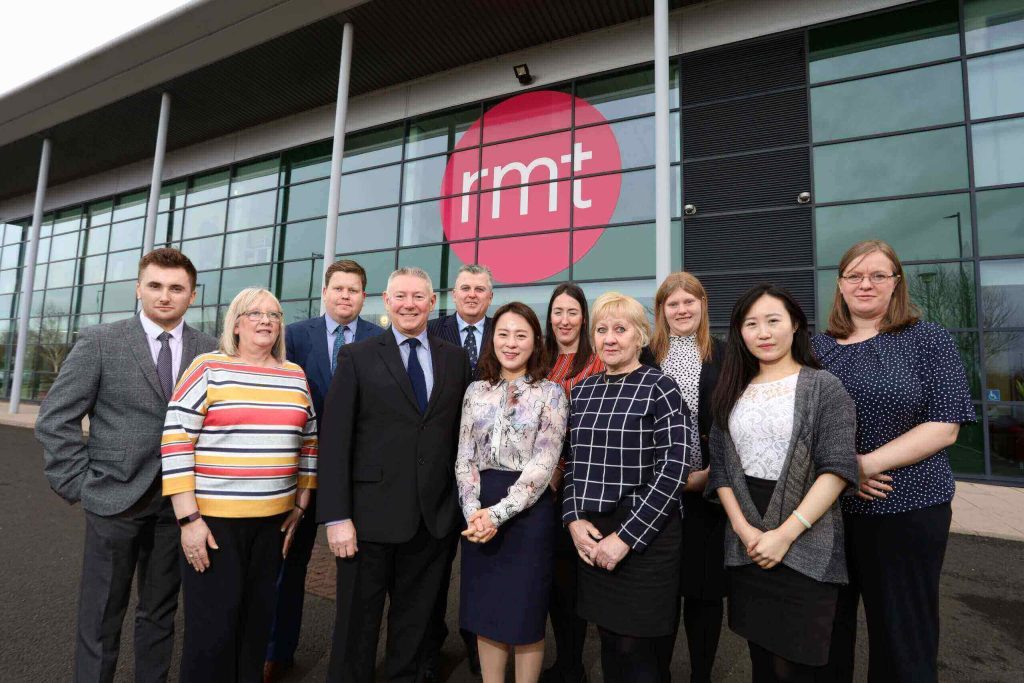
(506, 582)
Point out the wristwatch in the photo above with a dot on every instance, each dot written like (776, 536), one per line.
(188, 519)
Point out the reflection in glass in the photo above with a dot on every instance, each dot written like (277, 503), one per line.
(901, 164)
(1001, 221)
(1004, 364)
(422, 179)
(1006, 440)
(252, 210)
(299, 240)
(967, 345)
(421, 223)
(63, 246)
(435, 134)
(368, 230)
(992, 24)
(100, 212)
(89, 299)
(306, 163)
(918, 229)
(93, 268)
(967, 455)
(10, 257)
(96, 240)
(235, 280)
(998, 152)
(369, 189)
(250, 247)
(1002, 293)
(378, 266)
(373, 148)
(204, 319)
(207, 287)
(127, 234)
(172, 196)
(207, 188)
(909, 99)
(440, 262)
(123, 264)
(261, 175)
(296, 280)
(995, 84)
(205, 220)
(618, 252)
(944, 292)
(119, 296)
(61, 274)
(58, 303)
(130, 206)
(625, 94)
(307, 200)
(204, 254)
(294, 311)
(914, 35)
(67, 220)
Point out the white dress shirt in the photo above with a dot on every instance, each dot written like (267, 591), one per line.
(153, 331)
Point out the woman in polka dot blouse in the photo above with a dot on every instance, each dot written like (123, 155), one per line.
(909, 385)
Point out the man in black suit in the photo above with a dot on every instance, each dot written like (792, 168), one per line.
(314, 344)
(387, 489)
(121, 375)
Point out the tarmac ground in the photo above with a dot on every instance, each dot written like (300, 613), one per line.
(41, 550)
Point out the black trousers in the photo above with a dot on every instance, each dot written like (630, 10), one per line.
(895, 562)
(141, 541)
(569, 629)
(410, 574)
(291, 590)
(229, 607)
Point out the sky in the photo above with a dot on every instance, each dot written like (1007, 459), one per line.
(38, 36)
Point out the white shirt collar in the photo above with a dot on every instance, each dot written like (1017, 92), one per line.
(153, 330)
(478, 325)
(333, 325)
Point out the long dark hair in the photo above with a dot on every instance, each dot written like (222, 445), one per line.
(584, 350)
(739, 365)
(489, 369)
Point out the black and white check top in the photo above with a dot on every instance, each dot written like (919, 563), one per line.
(630, 445)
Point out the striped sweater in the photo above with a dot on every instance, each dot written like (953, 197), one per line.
(243, 437)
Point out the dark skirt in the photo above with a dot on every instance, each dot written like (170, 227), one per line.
(702, 570)
(506, 582)
(640, 597)
(780, 609)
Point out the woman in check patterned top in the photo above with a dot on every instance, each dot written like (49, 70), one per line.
(239, 459)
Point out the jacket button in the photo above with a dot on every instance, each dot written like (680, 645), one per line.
(422, 461)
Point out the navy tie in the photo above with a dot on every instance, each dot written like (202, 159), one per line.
(163, 365)
(415, 370)
(470, 346)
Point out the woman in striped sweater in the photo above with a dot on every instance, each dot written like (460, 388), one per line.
(239, 459)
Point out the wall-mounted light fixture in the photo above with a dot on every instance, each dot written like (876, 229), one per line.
(523, 74)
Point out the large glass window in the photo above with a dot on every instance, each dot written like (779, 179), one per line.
(1002, 293)
(373, 148)
(252, 210)
(995, 84)
(249, 247)
(435, 134)
(254, 177)
(1001, 222)
(205, 219)
(999, 152)
(368, 230)
(992, 24)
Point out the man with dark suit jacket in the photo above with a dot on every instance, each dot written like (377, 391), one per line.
(470, 328)
(121, 375)
(387, 489)
(314, 344)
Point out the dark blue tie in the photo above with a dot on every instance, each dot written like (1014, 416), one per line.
(415, 370)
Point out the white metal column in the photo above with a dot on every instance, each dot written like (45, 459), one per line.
(662, 141)
(28, 277)
(338, 151)
(149, 235)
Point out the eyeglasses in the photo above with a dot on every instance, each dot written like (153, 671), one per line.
(257, 316)
(875, 278)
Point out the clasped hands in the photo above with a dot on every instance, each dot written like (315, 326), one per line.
(480, 527)
(765, 548)
(596, 549)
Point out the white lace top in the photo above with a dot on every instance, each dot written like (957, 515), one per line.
(761, 426)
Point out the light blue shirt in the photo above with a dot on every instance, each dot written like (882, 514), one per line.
(349, 330)
(422, 354)
(478, 332)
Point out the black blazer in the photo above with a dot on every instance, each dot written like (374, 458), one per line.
(705, 388)
(382, 464)
(447, 328)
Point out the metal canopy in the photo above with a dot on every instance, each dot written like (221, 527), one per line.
(399, 40)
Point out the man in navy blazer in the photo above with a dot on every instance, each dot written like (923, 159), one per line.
(314, 344)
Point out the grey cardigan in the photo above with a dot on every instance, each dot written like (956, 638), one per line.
(824, 429)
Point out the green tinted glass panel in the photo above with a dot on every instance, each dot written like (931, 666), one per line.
(66, 221)
(901, 164)
(61, 274)
(378, 266)
(1002, 293)
(93, 269)
(302, 239)
(944, 292)
(123, 264)
(311, 161)
(205, 253)
(439, 261)
(626, 94)
(909, 99)
(207, 188)
(205, 220)
(89, 299)
(677, 246)
(919, 229)
(1001, 222)
(64, 246)
(207, 287)
(58, 302)
(119, 296)
(421, 223)
(434, 134)
(915, 35)
(1006, 450)
(252, 210)
(236, 279)
(967, 455)
(261, 175)
(204, 319)
(294, 311)
(369, 189)
(172, 196)
(100, 212)
(996, 84)
(249, 247)
(368, 230)
(296, 280)
(130, 206)
(96, 240)
(307, 200)
(37, 301)
(618, 252)
(373, 148)
(826, 289)
(992, 24)
(998, 152)
(127, 234)
(1004, 363)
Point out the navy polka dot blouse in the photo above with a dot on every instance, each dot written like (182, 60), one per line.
(899, 380)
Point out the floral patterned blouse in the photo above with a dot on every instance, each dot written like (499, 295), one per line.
(515, 427)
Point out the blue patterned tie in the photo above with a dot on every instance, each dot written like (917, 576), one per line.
(470, 346)
(415, 370)
(339, 341)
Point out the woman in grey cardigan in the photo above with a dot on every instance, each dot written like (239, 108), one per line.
(782, 452)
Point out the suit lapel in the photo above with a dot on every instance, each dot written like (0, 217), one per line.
(438, 364)
(317, 331)
(139, 345)
(392, 358)
(189, 350)
(453, 330)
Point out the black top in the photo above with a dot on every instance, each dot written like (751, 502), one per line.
(900, 380)
(629, 444)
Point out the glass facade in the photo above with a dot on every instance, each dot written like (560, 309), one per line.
(917, 137)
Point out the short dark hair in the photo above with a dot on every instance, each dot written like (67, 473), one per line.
(165, 257)
(344, 266)
(488, 368)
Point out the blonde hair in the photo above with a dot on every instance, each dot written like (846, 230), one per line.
(901, 313)
(615, 303)
(691, 285)
(242, 302)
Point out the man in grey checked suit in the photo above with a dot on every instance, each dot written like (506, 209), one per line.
(121, 375)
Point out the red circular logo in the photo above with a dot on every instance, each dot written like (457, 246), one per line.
(522, 188)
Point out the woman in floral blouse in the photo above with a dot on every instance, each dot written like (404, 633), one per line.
(513, 424)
